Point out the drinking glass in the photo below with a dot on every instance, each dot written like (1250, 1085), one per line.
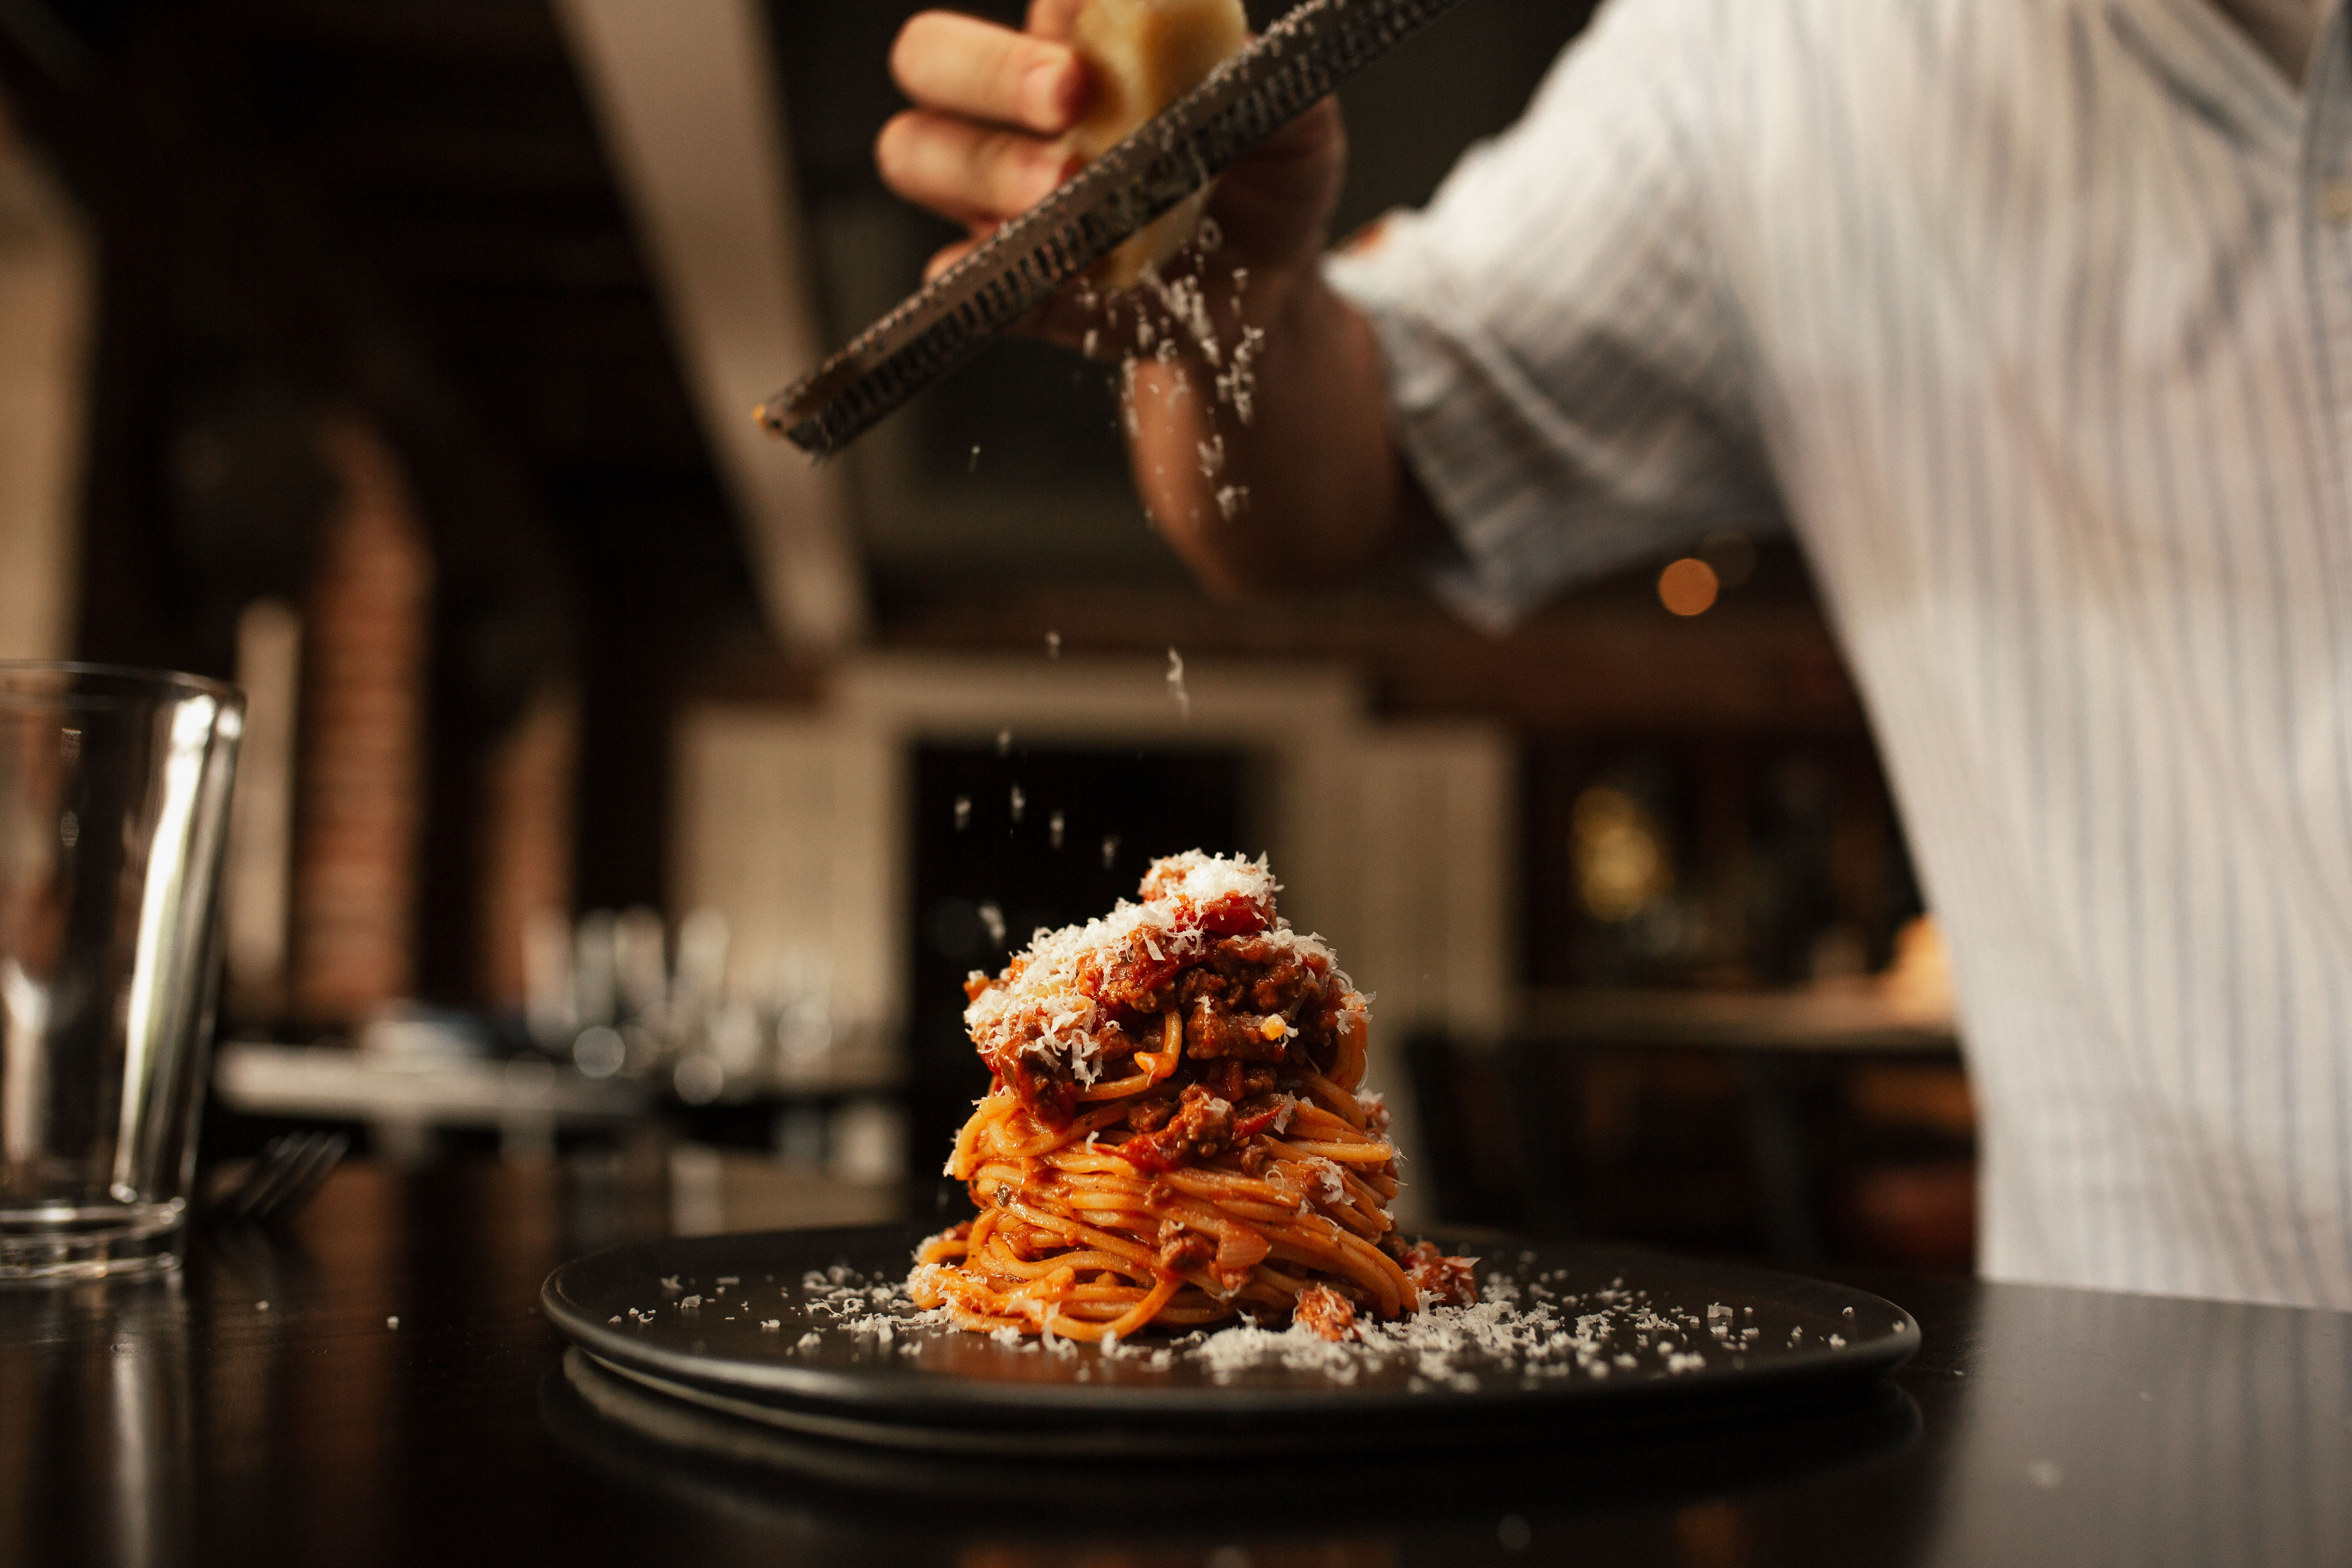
(114, 790)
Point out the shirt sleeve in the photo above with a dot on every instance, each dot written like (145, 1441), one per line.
(1565, 370)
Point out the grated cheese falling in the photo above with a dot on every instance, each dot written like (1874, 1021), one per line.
(1213, 456)
(1176, 687)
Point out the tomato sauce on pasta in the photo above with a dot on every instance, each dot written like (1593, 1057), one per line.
(1176, 1133)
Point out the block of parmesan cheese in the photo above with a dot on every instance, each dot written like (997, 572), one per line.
(1144, 55)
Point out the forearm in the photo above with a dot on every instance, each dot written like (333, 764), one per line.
(1297, 482)
(1311, 488)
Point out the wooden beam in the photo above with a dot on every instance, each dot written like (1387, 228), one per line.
(686, 96)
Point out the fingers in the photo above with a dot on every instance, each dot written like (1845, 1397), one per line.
(974, 148)
(966, 172)
(1055, 19)
(960, 65)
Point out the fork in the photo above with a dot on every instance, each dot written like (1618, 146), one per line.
(284, 1177)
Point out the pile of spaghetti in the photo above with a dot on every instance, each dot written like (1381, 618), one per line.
(1175, 1134)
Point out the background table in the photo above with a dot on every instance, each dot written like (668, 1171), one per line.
(264, 1410)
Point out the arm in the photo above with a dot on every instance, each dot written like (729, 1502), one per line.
(1312, 487)
(1313, 481)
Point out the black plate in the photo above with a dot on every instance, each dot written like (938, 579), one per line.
(755, 1470)
(932, 1388)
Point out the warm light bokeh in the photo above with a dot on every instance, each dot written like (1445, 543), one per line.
(1689, 586)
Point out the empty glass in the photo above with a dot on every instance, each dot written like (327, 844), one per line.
(114, 790)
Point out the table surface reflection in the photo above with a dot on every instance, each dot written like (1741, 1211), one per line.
(263, 1410)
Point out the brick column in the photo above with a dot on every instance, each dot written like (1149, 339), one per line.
(47, 286)
(361, 791)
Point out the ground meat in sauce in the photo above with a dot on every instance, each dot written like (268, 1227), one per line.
(1329, 1183)
(1181, 1249)
(1326, 1312)
(1258, 1110)
(1253, 1106)
(1249, 996)
(1267, 974)
(1135, 984)
(1232, 1081)
(1443, 1282)
(1201, 1127)
(1151, 1115)
(1210, 1032)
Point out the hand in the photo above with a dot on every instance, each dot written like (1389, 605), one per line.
(982, 145)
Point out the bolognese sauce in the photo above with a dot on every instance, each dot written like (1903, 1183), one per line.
(1175, 1131)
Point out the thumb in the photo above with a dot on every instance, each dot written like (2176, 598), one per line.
(1055, 19)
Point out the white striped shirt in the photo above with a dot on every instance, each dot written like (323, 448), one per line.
(2287, 30)
(2034, 318)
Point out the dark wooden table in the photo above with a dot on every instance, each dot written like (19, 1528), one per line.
(187, 1423)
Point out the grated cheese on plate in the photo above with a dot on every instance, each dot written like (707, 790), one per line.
(1525, 1332)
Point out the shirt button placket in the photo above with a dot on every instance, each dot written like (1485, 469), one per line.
(2327, 247)
(2327, 240)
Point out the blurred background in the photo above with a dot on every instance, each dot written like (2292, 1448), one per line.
(621, 792)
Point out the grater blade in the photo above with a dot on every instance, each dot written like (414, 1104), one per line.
(1287, 70)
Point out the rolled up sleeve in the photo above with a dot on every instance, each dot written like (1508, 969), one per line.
(1565, 367)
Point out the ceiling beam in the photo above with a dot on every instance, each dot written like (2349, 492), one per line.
(685, 98)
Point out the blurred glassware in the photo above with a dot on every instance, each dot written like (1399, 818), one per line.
(112, 1385)
(620, 1001)
(641, 965)
(865, 1143)
(595, 977)
(600, 1052)
(548, 1008)
(412, 1029)
(698, 1078)
(701, 978)
(733, 1039)
(114, 795)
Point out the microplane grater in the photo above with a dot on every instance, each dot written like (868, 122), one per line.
(1291, 66)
